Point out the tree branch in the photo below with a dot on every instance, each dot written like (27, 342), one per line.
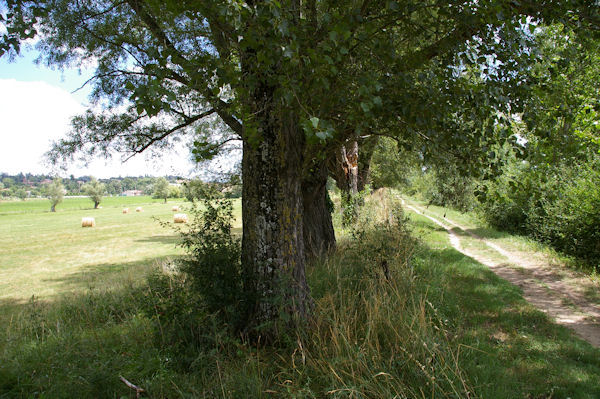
(153, 140)
(220, 106)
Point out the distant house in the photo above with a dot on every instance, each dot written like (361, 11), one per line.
(131, 193)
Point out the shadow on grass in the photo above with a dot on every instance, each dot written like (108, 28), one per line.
(162, 239)
(509, 345)
(75, 346)
(103, 277)
(110, 275)
(488, 232)
(419, 222)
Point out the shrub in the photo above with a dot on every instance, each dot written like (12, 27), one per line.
(557, 205)
(212, 267)
(568, 215)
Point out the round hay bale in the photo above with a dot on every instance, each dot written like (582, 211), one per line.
(125, 210)
(180, 218)
(88, 222)
(175, 208)
(139, 209)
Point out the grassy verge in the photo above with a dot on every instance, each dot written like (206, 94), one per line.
(513, 350)
(393, 318)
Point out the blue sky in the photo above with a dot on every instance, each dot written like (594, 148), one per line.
(24, 69)
(36, 105)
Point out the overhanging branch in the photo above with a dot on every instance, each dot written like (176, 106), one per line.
(153, 140)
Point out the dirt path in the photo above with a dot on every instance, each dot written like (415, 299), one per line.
(559, 293)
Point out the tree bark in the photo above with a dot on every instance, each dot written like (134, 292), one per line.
(273, 254)
(352, 166)
(367, 148)
(344, 168)
(319, 236)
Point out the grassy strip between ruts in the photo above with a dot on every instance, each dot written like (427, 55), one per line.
(441, 326)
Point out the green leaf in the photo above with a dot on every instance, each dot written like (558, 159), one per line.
(315, 121)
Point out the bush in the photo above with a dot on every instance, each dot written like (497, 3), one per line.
(505, 202)
(213, 262)
(568, 217)
(446, 188)
(556, 205)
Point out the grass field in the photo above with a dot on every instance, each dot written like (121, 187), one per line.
(441, 325)
(45, 254)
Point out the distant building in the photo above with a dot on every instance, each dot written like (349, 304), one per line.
(131, 193)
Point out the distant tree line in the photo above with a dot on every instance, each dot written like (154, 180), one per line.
(28, 185)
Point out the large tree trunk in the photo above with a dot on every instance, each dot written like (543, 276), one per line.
(273, 254)
(319, 236)
(272, 210)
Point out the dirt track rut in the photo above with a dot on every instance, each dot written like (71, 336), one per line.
(559, 293)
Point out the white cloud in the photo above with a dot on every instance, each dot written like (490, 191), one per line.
(33, 114)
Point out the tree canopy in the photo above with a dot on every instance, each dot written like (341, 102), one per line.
(95, 190)
(55, 193)
(293, 81)
(161, 189)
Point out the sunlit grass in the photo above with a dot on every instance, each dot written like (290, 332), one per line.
(46, 254)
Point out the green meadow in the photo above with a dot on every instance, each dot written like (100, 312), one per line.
(79, 308)
(44, 254)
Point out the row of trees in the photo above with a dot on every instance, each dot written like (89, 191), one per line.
(545, 183)
(55, 192)
(158, 187)
(96, 190)
(31, 185)
(303, 86)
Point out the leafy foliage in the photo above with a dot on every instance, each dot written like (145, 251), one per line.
(194, 189)
(55, 193)
(555, 204)
(95, 190)
(161, 189)
(391, 166)
(213, 258)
